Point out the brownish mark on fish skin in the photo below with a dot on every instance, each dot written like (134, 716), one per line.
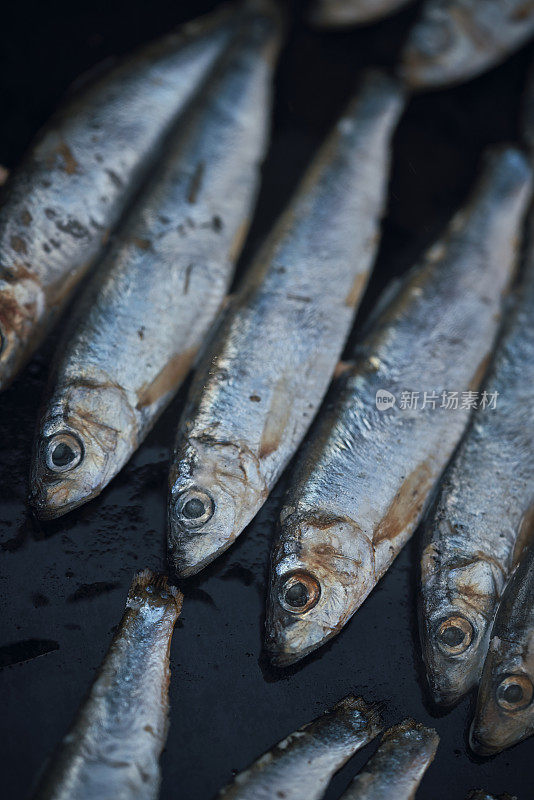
(356, 289)
(407, 504)
(26, 218)
(239, 238)
(167, 379)
(525, 535)
(479, 373)
(19, 245)
(277, 418)
(70, 165)
(523, 12)
(196, 183)
(142, 244)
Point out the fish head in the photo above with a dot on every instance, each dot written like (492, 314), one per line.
(85, 436)
(322, 569)
(505, 705)
(456, 609)
(21, 310)
(215, 488)
(439, 50)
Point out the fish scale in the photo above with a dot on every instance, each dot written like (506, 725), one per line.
(134, 333)
(301, 766)
(112, 749)
(488, 491)
(455, 40)
(274, 352)
(366, 475)
(63, 201)
(341, 13)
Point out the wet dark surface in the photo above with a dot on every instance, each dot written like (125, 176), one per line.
(64, 583)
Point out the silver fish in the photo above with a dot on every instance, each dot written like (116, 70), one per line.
(483, 513)
(301, 766)
(112, 750)
(273, 355)
(138, 326)
(363, 482)
(343, 13)
(505, 709)
(455, 40)
(398, 766)
(480, 794)
(75, 181)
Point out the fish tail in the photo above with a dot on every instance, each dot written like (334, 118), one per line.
(154, 588)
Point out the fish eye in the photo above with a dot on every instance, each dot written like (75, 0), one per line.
(194, 508)
(299, 592)
(455, 634)
(64, 451)
(514, 692)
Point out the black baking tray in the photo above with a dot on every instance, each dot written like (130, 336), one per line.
(63, 584)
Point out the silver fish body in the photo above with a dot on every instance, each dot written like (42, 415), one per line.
(136, 330)
(482, 515)
(480, 794)
(455, 40)
(273, 354)
(65, 198)
(365, 477)
(112, 750)
(301, 766)
(505, 704)
(398, 766)
(343, 13)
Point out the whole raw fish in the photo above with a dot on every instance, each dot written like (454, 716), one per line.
(480, 794)
(134, 335)
(67, 195)
(361, 486)
(505, 709)
(398, 766)
(455, 40)
(342, 13)
(259, 385)
(112, 750)
(301, 766)
(483, 513)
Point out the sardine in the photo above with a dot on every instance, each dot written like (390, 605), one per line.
(112, 750)
(68, 193)
(455, 40)
(259, 385)
(398, 766)
(138, 326)
(363, 482)
(343, 13)
(301, 766)
(505, 709)
(484, 511)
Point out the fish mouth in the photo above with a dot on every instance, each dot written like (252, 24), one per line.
(43, 510)
(187, 555)
(481, 748)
